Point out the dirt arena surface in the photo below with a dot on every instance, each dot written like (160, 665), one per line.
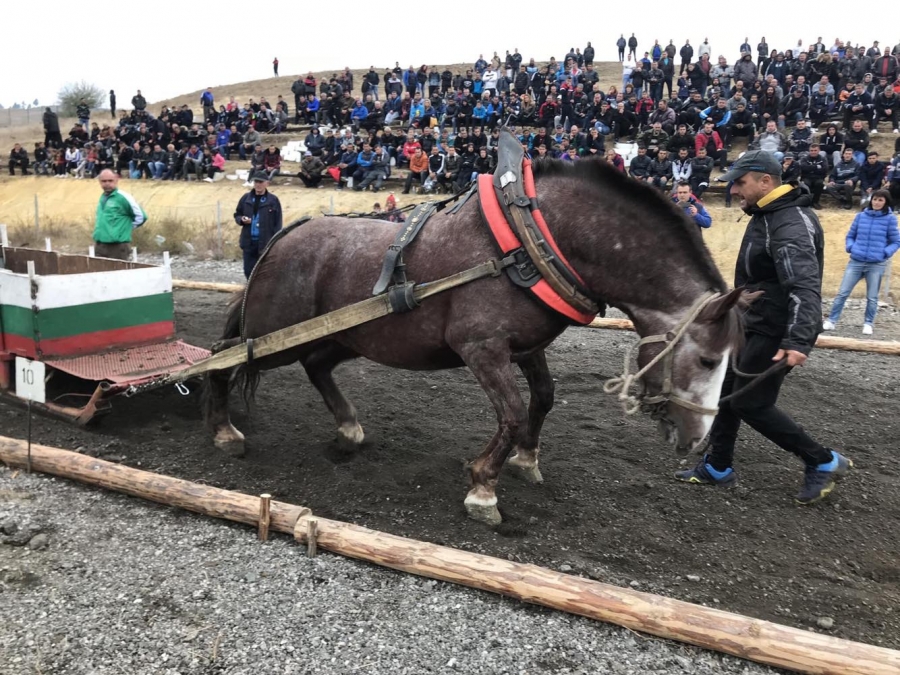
(608, 509)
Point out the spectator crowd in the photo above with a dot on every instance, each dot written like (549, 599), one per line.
(815, 107)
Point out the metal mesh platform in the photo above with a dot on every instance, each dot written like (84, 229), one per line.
(127, 366)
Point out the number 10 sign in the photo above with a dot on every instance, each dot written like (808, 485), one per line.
(30, 380)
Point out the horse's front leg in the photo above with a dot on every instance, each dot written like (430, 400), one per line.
(490, 363)
(525, 462)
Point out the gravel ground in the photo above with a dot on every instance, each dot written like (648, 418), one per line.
(96, 582)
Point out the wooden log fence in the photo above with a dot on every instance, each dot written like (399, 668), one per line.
(752, 639)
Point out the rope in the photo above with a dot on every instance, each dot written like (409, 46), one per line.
(622, 384)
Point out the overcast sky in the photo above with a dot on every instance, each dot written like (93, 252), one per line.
(166, 48)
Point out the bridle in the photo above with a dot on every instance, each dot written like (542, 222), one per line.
(655, 404)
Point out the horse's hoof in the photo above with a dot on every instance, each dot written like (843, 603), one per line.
(232, 448)
(483, 509)
(351, 433)
(527, 471)
(230, 441)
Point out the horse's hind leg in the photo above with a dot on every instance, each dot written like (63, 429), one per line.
(319, 365)
(525, 462)
(491, 366)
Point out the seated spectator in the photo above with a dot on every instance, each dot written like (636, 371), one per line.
(859, 105)
(272, 161)
(709, 138)
(654, 140)
(615, 160)
(346, 165)
(450, 170)
(418, 169)
(315, 142)
(813, 171)
(693, 208)
(821, 105)
(18, 158)
(857, 140)
(639, 169)
(701, 168)
(73, 158)
(375, 172)
(311, 168)
(790, 169)
(871, 177)
(661, 170)
(792, 108)
(843, 179)
(665, 116)
(682, 139)
(771, 140)
(887, 107)
(216, 164)
(252, 138)
(800, 139)
(192, 163)
(832, 144)
(41, 164)
(741, 124)
(681, 167)
(157, 162)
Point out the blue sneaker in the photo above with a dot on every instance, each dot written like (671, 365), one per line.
(704, 474)
(819, 481)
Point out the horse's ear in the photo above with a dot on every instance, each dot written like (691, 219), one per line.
(718, 308)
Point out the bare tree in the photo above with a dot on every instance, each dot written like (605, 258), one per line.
(71, 94)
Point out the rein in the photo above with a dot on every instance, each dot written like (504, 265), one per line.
(624, 382)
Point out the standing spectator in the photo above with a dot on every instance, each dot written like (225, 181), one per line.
(18, 157)
(52, 137)
(258, 213)
(871, 242)
(208, 101)
(691, 206)
(112, 103)
(686, 53)
(83, 113)
(762, 49)
(275, 66)
(632, 48)
(620, 45)
(589, 52)
(705, 49)
(138, 102)
(813, 172)
(118, 214)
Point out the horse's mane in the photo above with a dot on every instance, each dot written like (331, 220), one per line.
(619, 188)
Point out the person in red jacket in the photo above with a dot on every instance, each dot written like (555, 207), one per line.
(709, 138)
(409, 148)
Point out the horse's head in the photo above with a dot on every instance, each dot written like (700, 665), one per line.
(682, 389)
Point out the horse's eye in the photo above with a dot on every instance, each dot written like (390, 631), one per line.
(709, 363)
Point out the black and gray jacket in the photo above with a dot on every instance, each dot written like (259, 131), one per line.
(782, 255)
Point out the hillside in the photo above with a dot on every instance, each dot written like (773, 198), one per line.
(610, 73)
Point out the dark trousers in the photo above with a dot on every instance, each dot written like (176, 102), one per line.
(815, 185)
(311, 181)
(251, 257)
(120, 251)
(757, 408)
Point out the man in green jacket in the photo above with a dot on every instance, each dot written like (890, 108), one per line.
(117, 215)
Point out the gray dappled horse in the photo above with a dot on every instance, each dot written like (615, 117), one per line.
(626, 241)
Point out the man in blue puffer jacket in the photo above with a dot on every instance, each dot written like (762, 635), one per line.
(872, 240)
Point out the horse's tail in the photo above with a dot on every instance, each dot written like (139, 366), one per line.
(245, 377)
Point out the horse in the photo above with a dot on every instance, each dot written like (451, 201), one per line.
(625, 240)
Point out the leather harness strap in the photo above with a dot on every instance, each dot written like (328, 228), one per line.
(393, 267)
